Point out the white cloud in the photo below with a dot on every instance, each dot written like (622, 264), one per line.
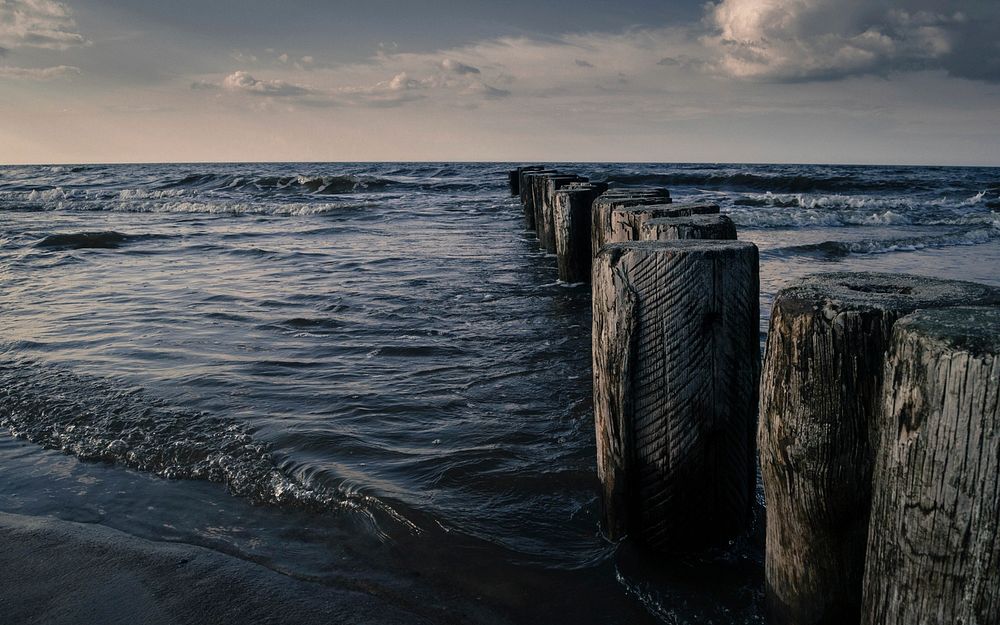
(38, 24)
(799, 40)
(39, 73)
(243, 82)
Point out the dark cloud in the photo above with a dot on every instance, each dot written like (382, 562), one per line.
(38, 24)
(812, 40)
(582, 63)
(453, 66)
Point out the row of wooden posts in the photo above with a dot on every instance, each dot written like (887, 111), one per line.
(878, 404)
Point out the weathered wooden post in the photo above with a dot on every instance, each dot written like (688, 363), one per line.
(600, 225)
(627, 222)
(514, 177)
(692, 227)
(820, 391)
(538, 185)
(934, 543)
(571, 227)
(675, 349)
(527, 197)
(546, 233)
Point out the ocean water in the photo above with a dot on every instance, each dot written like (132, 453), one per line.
(369, 374)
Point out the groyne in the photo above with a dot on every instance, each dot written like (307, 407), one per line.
(875, 411)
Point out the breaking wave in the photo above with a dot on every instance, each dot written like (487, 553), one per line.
(96, 420)
(312, 185)
(833, 250)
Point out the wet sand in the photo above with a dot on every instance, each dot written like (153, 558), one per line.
(64, 573)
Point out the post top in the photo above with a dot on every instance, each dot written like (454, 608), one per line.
(695, 219)
(897, 292)
(973, 329)
(706, 246)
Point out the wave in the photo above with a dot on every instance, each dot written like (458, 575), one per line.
(108, 239)
(95, 420)
(835, 250)
(311, 185)
(870, 215)
(839, 201)
(744, 181)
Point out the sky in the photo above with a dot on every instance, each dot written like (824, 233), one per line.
(802, 81)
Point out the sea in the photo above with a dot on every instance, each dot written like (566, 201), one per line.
(369, 374)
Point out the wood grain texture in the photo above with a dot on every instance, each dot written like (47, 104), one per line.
(527, 199)
(547, 233)
(675, 349)
(571, 227)
(627, 222)
(820, 391)
(514, 177)
(934, 547)
(692, 227)
(600, 225)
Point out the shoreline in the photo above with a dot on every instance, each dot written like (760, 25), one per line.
(67, 573)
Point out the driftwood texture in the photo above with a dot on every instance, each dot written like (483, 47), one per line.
(527, 197)
(600, 225)
(675, 355)
(514, 177)
(934, 546)
(693, 227)
(571, 226)
(547, 233)
(627, 222)
(820, 392)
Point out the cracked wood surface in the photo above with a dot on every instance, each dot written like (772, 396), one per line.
(691, 227)
(600, 226)
(934, 546)
(675, 349)
(627, 222)
(571, 227)
(820, 391)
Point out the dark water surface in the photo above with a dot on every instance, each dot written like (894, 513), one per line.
(378, 365)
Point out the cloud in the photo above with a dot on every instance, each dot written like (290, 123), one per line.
(453, 66)
(400, 89)
(806, 40)
(582, 63)
(243, 82)
(38, 24)
(40, 73)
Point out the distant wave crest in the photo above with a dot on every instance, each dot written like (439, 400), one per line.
(834, 250)
(759, 182)
(322, 185)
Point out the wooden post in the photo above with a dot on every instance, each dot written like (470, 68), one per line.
(538, 186)
(571, 227)
(514, 177)
(934, 544)
(693, 227)
(675, 349)
(546, 233)
(627, 222)
(527, 197)
(820, 390)
(600, 226)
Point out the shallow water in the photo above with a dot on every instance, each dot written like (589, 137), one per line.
(379, 366)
